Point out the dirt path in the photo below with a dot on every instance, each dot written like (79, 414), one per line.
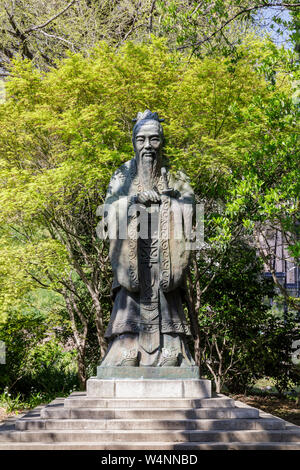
(281, 407)
(6, 417)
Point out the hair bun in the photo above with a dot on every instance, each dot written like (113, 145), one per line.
(147, 115)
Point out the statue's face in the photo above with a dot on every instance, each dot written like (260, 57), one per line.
(148, 143)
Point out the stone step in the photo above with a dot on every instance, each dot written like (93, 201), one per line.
(123, 445)
(60, 412)
(128, 436)
(81, 423)
(150, 424)
(86, 402)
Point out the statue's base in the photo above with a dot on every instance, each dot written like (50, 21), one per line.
(148, 388)
(129, 372)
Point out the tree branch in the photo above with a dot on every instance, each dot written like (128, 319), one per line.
(19, 33)
(133, 24)
(58, 38)
(241, 12)
(151, 15)
(40, 26)
(46, 286)
(76, 333)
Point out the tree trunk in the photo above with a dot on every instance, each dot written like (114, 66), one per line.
(218, 384)
(99, 324)
(193, 306)
(80, 339)
(197, 350)
(81, 371)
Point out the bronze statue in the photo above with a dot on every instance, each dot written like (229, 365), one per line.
(148, 326)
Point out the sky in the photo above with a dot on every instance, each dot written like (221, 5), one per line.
(265, 16)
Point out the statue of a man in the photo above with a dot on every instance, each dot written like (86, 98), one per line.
(149, 254)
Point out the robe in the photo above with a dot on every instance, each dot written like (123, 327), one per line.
(149, 268)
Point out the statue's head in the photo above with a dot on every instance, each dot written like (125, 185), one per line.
(148, 138)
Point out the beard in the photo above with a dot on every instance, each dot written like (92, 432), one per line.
(148, 169)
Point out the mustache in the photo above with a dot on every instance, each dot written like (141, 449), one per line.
(153, 154)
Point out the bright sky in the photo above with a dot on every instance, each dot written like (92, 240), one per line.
(265, 18)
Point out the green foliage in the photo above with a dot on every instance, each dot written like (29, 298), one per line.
(232, 314)
(35, 359)
(267, 355)
(277, 337)
(46, 31)
(64, 132)
(241, 339)
(16, 402)
(71, 127)
(229, 124)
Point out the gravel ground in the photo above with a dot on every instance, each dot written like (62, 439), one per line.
(4, 416)
(281, 407)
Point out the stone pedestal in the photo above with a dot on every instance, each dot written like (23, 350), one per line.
(148, 382)
(148, 388)
(130, 372)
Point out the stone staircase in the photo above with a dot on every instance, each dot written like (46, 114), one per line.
(80, 422)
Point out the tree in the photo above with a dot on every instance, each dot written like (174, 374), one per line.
(36, 357)
(65, 131)
(232, 314)
(45, 31)
(267, 196)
